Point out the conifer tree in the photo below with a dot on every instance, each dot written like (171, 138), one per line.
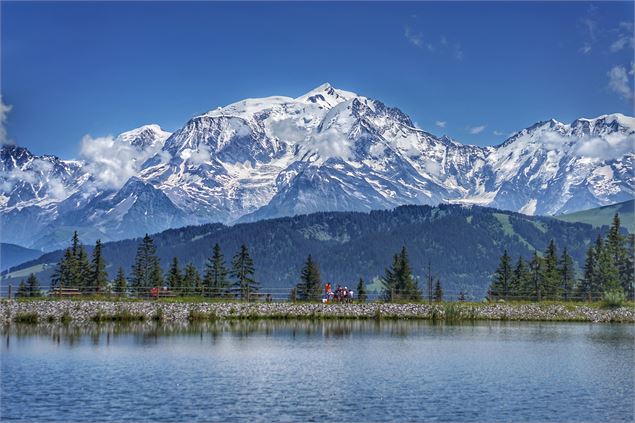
(501, 282)
(23, 290)
(461, 297)
(174, 278)
(192, 279)
(520, 285)
(310, 285)
(389, 281)
(243, 272)
(607, 275)
(588, 283)
(438, 291)
(628, 278)
(120, 282)
(567, 276)
(408, 285)
(550, 277)
(216, 281)
(362, 295)
(146, 270)
(535, 275)
(33, 285)
(99, 276)
(63, 274)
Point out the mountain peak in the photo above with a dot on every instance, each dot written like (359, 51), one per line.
(327, 95)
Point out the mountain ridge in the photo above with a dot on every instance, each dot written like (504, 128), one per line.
(327, 150)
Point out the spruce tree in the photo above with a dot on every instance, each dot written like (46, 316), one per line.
(243, 271)
(33, 285)
(567, 275)
(535, 276)
(438, 291)
(63, 273)
(146, 270)
(23, 290)
(120, 283)
(520, 285)
(628, 277)
(216, 282)
(588, 283)
(174, 278)
(192, 282)
(84, 271)
(407, 284)
(607, 275)
(390, 281)
(310, 285)
(362, 295)
(99, 276)
(502, 279)
(550, 276)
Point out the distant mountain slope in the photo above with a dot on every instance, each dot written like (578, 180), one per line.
(11, 255)
(327, 150)
(463, 244)
(601, 216)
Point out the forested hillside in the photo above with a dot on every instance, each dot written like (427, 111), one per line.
(462, 244)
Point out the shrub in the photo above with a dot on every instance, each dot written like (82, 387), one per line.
(26, 318)
(613, 299)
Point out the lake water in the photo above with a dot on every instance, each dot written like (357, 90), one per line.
(319, 371)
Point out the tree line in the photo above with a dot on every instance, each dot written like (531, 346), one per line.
(89, 276)
(608, 268)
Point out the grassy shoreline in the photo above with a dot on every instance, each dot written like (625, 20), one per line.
(65, 311)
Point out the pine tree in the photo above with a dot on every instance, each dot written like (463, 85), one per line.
(550, 277)
(567, 275)
(362, 295)
(408, 285)
(63, 274)
(520, 285)
(120, 283)
(310, 285)
(502, 279)
(23, 290)
(620, 247)
(146, 270)
(438, 291)
(174, 278)
(33, 285)
(588, 283)
(628, 278)
(607, 275)
(192, 282)
(243, 271)
(99, 277)
(84, 271)
(390, 281)
(216, 281)
(535, 275)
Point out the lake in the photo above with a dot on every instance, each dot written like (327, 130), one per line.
(319, 371)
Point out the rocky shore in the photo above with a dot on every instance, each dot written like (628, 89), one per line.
(101, 311)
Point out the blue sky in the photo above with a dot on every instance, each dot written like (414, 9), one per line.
(474, 71)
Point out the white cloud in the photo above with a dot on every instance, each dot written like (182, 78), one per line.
(611, 146)
(619, 83)
(620, 43)
(197, 157)
(112, 162)
(498, 133)
(440, 123)
(586, 48)
(4, 112)
(477, 129)
(415, 39)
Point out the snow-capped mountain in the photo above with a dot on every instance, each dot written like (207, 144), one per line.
(327, 150)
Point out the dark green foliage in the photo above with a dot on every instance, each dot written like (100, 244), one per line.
(535, 274)
(243, 272)
(33, 286)
(174, 278)
(99, 277)
(520, 285)
(23, 290)
(399, 282)
(310, 285)
(216, 282)
(146, 271)
(550, 276)
(463, 244)
(74, 269)
(438, 291)
(567, 275)
(192, 282)
(502, 281)
(362, 295)
(120, 283)
(587, 288)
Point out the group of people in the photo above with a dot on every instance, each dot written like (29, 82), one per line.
(341, 293)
